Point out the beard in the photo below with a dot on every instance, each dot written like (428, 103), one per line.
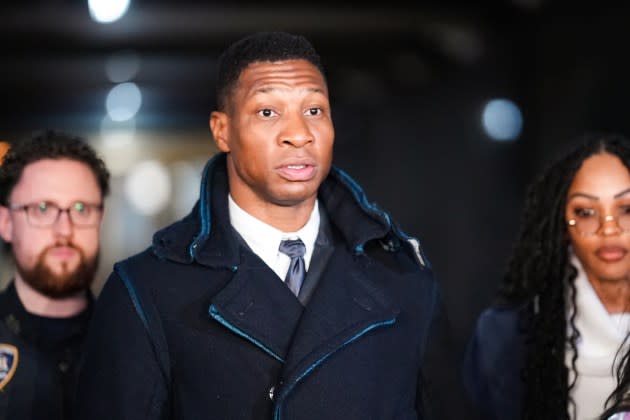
(64, 284)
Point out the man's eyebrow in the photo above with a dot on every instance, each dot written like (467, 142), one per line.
(266, 89)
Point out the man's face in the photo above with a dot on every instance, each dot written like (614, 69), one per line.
(60, 259)
(278, 134)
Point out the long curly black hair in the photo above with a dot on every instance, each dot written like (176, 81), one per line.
(541, 277)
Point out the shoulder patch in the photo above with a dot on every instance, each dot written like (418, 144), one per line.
(9, 357)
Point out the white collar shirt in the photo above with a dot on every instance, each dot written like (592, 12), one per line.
(264, 240)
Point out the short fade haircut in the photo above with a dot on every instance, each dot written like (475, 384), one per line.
(260, 47)
(49, 144)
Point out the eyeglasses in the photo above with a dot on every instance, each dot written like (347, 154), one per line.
(588, 221)
(45, 213)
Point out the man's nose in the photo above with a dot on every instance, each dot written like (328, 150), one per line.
(297, 131)
(63, 225)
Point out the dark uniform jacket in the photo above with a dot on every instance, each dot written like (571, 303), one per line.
(38, 361)
(199, 327)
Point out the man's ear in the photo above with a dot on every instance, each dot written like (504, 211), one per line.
(220, 130)
(6, 224)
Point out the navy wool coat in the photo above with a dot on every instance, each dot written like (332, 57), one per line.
(198, 327)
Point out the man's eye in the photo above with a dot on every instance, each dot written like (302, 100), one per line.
(314, 111)
(266, 112)
(42, 207)
(79, 207)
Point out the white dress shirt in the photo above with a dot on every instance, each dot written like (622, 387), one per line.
(264, 240)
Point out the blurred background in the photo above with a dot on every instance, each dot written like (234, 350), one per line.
(444, 110)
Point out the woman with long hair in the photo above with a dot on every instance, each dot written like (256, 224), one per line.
(547, 347)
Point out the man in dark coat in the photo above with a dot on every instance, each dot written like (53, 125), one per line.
(214, 321)
(52, 189)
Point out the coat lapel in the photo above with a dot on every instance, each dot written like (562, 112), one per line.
(346, 304)
(257, 305)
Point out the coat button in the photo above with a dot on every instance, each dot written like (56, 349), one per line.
(271, 391)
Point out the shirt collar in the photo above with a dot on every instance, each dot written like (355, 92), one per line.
(264, 240)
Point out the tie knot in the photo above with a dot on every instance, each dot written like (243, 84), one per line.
(294, 248)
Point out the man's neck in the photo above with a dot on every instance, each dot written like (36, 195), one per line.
(42, 305)
(285, 219)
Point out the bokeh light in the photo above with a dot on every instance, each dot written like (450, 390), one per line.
(148, 187)
(502, 120)
(107, 11)
(122, 66)
(123, 101)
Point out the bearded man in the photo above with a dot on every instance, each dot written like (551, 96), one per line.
(52, 188)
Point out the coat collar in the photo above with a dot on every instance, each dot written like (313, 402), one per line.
(205, 236)
(352, 299)
(349, 301)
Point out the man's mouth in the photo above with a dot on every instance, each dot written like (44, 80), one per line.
(63, 252)
(297, 172)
